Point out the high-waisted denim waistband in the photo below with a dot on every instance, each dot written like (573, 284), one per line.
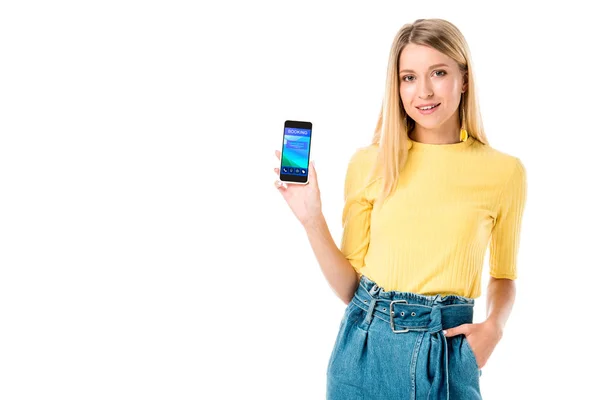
(412, 311)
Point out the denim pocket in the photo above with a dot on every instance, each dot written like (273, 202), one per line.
(341, 328)
(470, 352)
(345, 315)
(336, 343)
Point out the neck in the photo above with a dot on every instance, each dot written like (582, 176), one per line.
(446, 134)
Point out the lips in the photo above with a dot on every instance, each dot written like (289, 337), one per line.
(422, 107)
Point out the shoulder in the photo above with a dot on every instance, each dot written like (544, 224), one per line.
(360, 167)
(501, 164)
(364, 156)
(361, 162)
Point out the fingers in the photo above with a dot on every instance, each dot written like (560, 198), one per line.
(457, 330)
(312, 173)
(280, 185)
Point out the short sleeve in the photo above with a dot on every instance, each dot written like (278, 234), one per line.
(506, 232)
(356, 215)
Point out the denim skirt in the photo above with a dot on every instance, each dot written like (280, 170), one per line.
(390, 345)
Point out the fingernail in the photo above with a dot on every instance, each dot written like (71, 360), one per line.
(444, 332)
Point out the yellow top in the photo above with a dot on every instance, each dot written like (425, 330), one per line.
(432, 234)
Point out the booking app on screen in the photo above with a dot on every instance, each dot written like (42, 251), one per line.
(294, 158)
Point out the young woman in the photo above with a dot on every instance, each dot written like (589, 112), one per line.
(422, 203)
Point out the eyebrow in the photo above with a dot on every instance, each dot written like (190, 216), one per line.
(432, 67)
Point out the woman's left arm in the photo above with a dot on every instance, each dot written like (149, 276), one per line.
(484, 336)
(500, 299)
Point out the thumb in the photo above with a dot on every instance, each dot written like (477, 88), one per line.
(312, 173)
(457, 330)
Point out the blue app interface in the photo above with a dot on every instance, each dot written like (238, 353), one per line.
(296, 146)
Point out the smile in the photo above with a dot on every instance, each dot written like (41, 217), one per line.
(429, 109)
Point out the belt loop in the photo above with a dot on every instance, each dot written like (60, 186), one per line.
(374, 290)
(369, 317)
(370, 312)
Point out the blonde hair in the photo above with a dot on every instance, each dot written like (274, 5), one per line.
(394, 124)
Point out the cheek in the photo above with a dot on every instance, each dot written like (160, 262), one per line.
(406, 95)
(447, 89)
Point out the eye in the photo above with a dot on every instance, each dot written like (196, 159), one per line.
(439, 72)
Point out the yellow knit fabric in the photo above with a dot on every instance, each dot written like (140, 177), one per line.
(432, 234)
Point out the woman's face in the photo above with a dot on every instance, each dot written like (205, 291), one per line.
(428, 77)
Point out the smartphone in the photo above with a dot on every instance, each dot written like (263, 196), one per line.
(295, 152)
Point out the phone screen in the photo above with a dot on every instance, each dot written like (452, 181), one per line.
(295, 152)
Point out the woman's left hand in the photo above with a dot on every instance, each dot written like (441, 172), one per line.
(482, 337)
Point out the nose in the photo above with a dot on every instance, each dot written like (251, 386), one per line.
(425, 89)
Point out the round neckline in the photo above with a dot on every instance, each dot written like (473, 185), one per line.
(458, 146)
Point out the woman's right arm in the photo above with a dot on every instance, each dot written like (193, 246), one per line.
(305, 202)
(338, 271)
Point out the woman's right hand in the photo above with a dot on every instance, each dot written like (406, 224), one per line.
(304, 200)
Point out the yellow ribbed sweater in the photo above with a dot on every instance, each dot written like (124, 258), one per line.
(432, 234)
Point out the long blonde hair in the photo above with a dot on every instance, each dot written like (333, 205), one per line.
(394, 124)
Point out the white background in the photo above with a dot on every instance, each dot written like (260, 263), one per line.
(145, 252)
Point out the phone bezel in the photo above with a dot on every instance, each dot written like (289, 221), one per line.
(295, 179)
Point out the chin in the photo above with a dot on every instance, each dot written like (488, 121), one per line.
(427, 125)
(430, 123)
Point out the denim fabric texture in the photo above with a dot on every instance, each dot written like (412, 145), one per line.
(390, 345)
